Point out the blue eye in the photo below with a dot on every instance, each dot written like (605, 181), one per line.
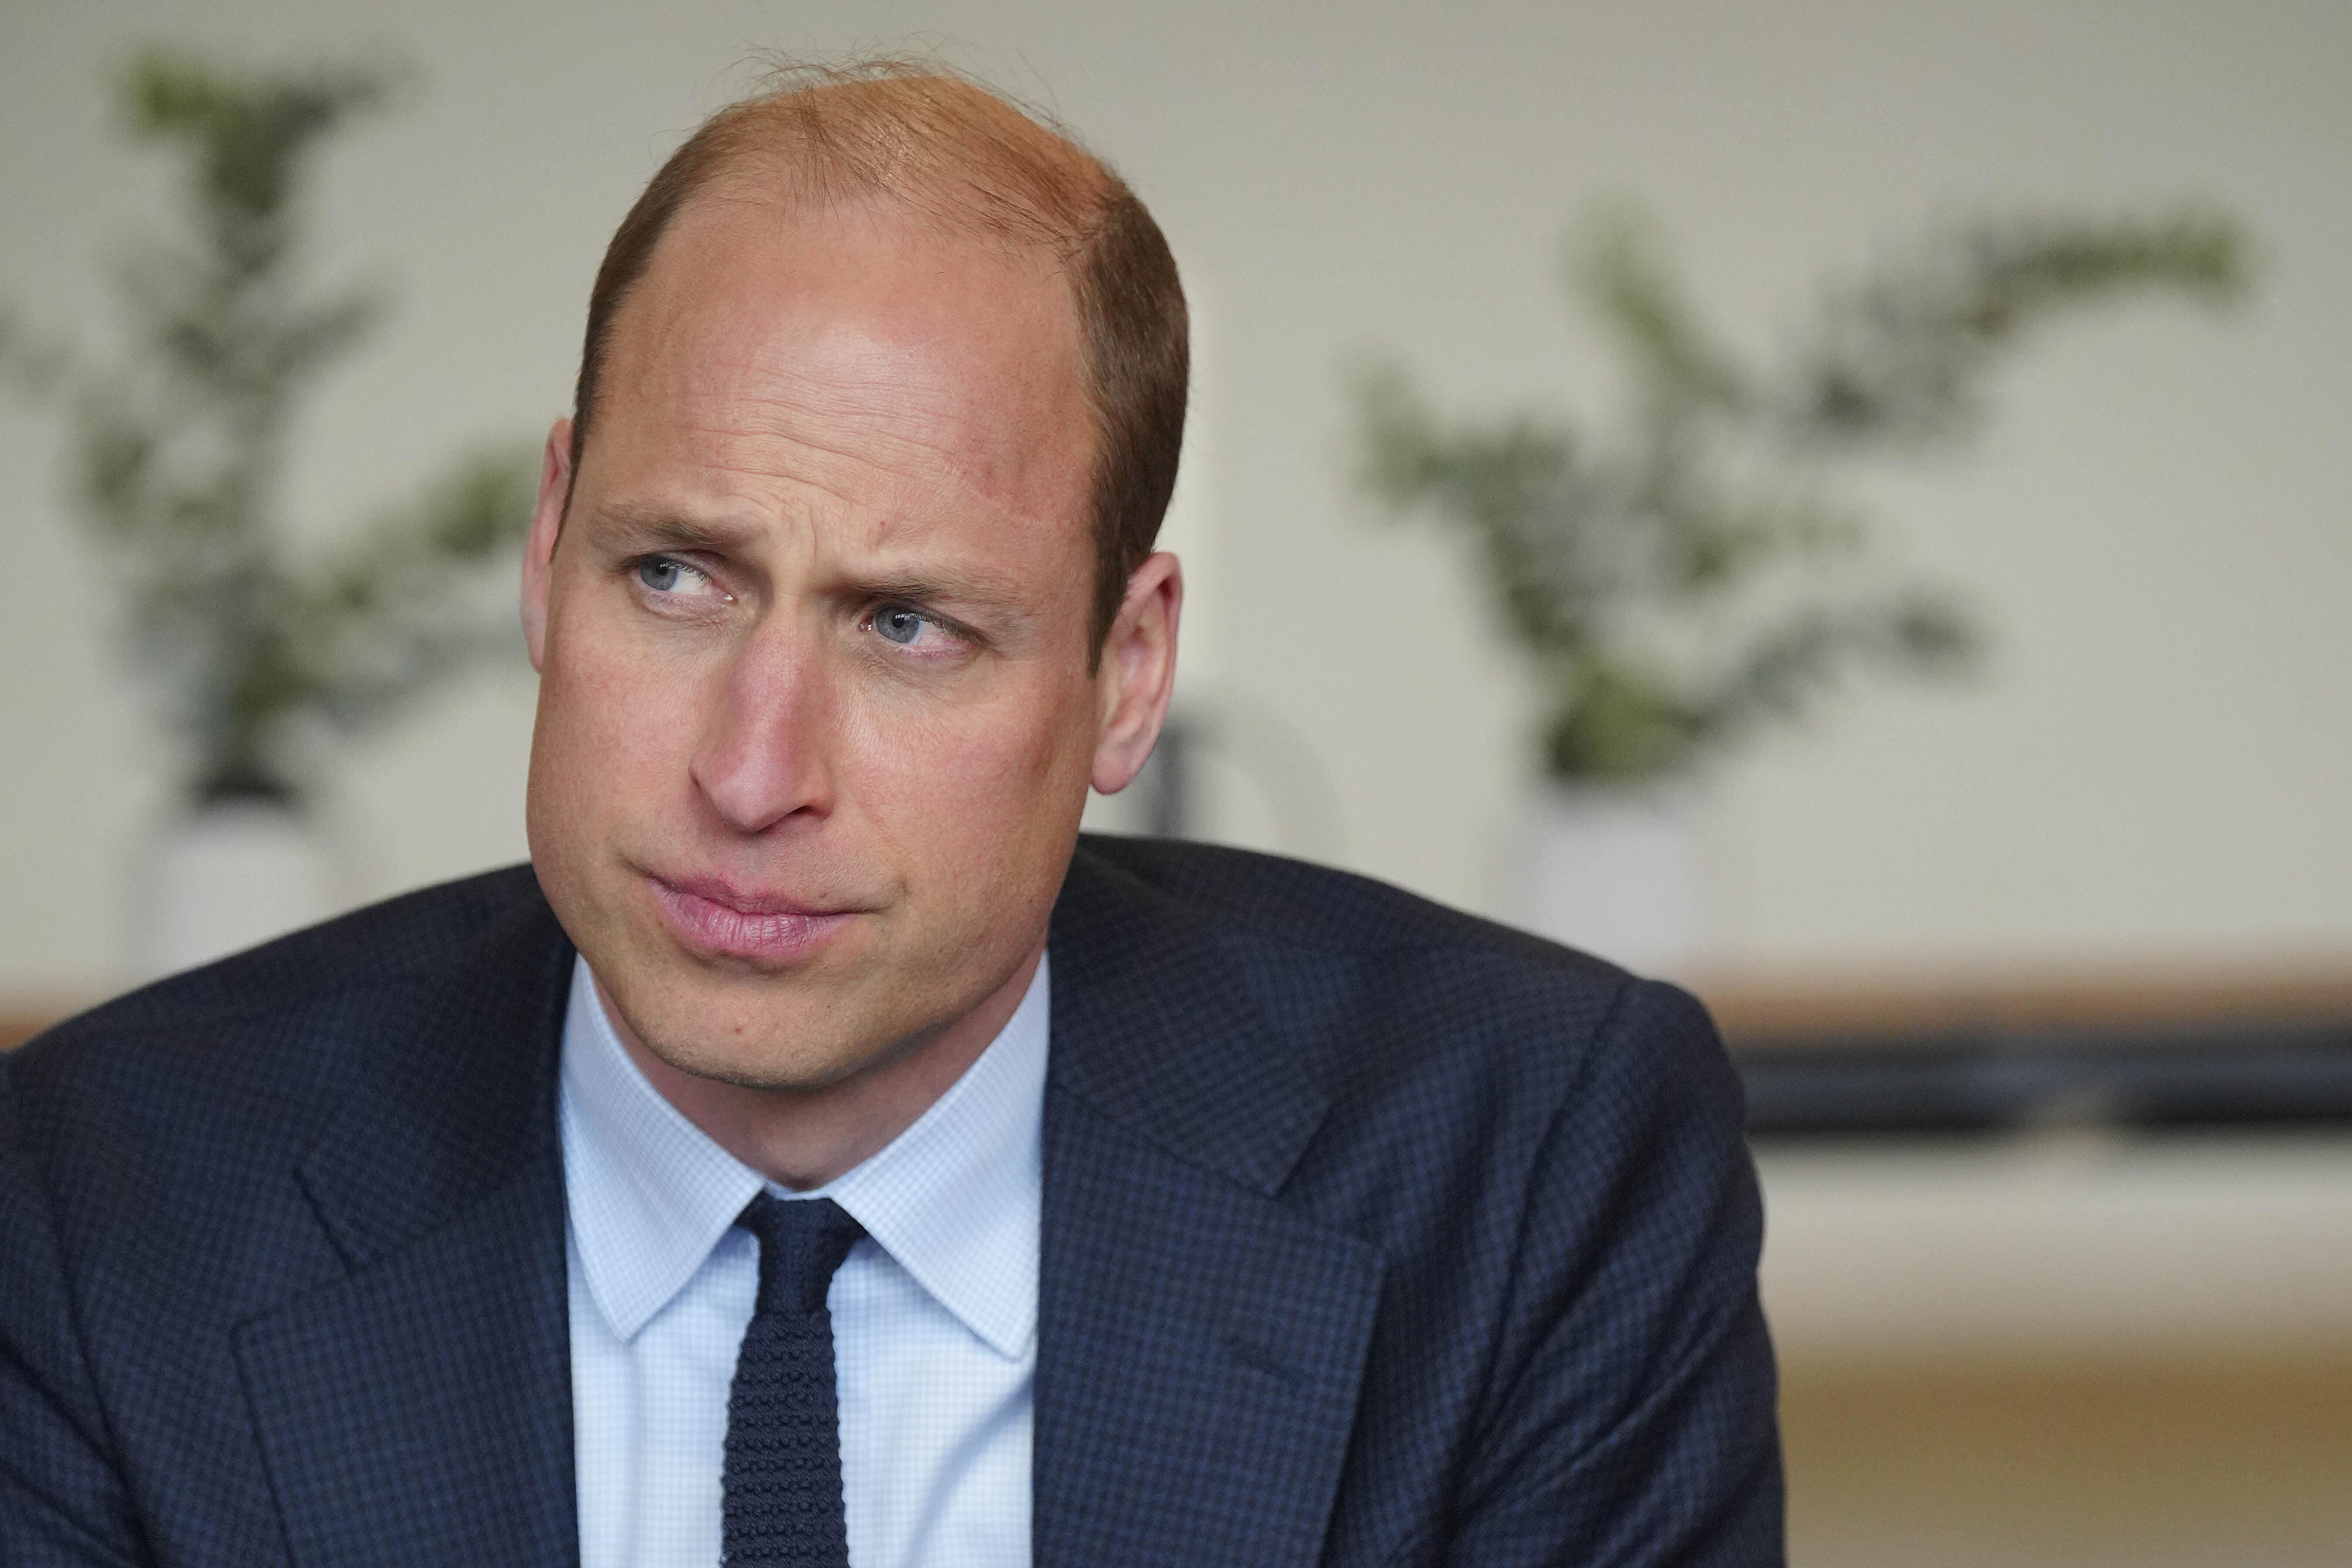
(660, 573)
(900, 625)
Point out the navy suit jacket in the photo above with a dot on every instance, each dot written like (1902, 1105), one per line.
(1372, 1235)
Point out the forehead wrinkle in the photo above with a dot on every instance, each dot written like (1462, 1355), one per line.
(869, 546)
(871, 419)
(906, 432)
(921, 495)
(851, 417)
(898, 387)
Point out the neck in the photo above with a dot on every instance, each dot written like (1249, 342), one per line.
(806, 1138)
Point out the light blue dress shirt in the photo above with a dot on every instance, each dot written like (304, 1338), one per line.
(934, 1314)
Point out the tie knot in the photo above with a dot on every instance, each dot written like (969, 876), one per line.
(801, 1243)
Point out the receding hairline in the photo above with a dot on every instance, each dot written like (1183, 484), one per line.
(962, 159)
(920, 137)
(895, 136)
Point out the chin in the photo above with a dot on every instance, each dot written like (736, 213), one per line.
(759, 1031)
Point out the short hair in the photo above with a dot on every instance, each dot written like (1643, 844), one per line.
(968, 160)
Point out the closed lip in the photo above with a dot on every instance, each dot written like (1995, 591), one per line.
(745, 901)
(714, 918)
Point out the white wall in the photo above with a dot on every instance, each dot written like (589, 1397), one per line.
(2156, 763)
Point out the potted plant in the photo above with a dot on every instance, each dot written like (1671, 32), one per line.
(1691, 573)
(178, 453)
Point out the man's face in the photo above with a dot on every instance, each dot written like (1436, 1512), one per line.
(816, 718)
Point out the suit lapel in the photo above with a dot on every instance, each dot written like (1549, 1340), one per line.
(420, 1408)
(1200, 1344)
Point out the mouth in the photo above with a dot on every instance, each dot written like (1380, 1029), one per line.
(714, 919)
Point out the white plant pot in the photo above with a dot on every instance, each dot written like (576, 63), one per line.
(223, 878)
(1616, 873)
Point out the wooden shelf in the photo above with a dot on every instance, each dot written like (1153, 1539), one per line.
(20, 1019)
(1762, 1008)
(1765, 1009)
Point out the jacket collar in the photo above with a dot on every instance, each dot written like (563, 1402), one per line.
(1155, 1025)
(440, 1180)
(1200, 1343)
(451, 1095)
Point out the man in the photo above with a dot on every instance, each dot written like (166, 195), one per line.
(818, 1154)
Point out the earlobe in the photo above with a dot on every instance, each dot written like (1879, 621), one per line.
(1139, 672)
(539, 547)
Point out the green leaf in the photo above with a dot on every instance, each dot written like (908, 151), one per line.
(1691, 571)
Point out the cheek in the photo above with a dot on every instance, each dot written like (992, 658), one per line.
(610, 730)
(977, 794)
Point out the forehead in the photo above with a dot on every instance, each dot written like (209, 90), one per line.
(854, 351)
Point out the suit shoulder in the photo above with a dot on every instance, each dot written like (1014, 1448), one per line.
(398, 941)
(1373, 981)
(1304, 906)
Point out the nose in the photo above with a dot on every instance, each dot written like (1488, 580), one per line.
(765, 755)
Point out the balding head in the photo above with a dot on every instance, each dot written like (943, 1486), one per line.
(886, 383)
(970, 164)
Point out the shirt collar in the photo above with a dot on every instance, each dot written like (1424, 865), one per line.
(954, 1199)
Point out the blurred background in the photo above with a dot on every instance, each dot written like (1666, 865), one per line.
(2042, 977)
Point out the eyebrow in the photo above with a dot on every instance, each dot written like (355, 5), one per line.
(658, 527)
(984, 590)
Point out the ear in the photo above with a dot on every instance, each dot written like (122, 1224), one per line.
(1136, 673)
(539, 548)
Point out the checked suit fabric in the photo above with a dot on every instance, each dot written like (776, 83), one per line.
(1372, 1236)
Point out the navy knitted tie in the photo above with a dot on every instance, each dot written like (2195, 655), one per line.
(782, 1476)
